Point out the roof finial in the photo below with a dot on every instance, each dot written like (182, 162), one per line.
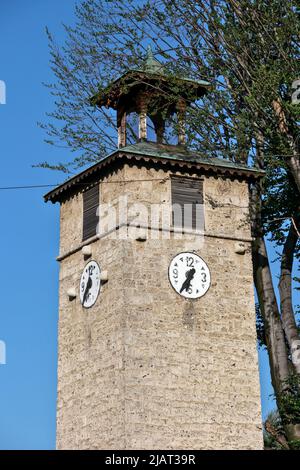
(149, 53)
(150, 64)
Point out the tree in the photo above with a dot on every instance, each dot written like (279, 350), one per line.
(274, 437)
(249, 50)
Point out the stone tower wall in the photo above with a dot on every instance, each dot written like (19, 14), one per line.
(145, 368)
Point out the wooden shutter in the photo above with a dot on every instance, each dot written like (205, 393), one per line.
(187, 191)
(90, 208)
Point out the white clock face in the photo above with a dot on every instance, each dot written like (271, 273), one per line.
(189, 275)
(90, 284)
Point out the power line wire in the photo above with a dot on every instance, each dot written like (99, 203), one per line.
(33, 186)
(29, 187)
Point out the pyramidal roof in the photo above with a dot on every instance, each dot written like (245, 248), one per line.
(158, 154)
(149, 69)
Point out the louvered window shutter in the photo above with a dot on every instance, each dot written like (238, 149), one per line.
(187, 201)
(90, 208)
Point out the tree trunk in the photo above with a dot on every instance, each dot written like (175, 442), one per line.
(285, 290)
(275, 340)
(273, 326)
(292, 432)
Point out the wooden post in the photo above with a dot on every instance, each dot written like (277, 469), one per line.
(142, 118)
(121, 123)
(181, 110)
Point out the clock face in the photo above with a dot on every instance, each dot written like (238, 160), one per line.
(189, 275)
(90, 284)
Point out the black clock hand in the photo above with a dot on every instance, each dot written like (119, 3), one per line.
(189, 276)
(87, 288)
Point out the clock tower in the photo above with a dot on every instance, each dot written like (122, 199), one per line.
(156, 338)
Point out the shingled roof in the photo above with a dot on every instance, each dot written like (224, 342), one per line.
(151, 74)
(168, 155)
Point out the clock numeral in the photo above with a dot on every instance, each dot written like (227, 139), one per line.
(190, 261)
(91, 269)
(175, 273)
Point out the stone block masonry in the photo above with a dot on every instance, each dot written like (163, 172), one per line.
(145, 368)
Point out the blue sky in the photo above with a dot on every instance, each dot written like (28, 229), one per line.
(29, 235)
(30, 229)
